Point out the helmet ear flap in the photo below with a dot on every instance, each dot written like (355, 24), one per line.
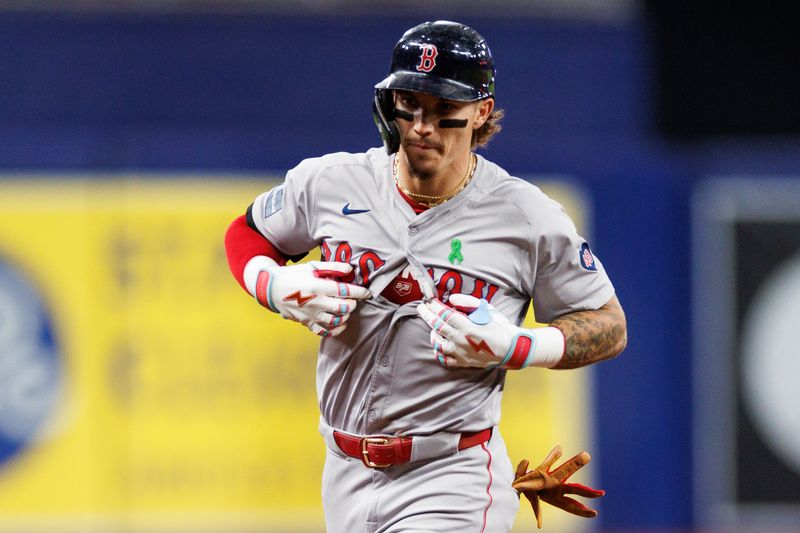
(383, 114)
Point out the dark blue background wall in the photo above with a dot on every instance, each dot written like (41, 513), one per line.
(259, 93)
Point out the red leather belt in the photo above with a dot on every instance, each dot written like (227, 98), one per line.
(384, 451)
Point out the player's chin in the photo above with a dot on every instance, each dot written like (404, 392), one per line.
(425, 162)
(424, 171)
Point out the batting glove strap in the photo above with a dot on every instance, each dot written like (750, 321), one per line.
(259, 275)
(520, 353)
(263, 288)
(541, 347)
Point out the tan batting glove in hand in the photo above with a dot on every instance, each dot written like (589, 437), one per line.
(307, 293)
(550, 485)
(485, 337)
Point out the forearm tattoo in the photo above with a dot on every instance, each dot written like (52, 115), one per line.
(592, 336)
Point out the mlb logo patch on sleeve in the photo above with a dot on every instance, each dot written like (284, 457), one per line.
(274, 201)
(586, 257)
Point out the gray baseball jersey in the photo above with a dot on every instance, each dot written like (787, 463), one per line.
(500, 238)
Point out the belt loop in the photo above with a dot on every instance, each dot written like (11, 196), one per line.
(327, 435)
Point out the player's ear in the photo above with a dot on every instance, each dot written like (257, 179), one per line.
(482, 112)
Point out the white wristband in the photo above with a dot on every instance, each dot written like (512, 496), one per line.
(549, 347)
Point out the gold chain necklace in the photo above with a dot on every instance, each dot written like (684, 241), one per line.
(432, 201)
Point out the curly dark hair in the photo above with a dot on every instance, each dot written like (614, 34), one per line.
(482, 136)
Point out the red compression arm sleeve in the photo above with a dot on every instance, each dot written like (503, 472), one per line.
(242, 243)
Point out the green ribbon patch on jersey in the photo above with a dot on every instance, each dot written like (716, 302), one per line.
(455, 256)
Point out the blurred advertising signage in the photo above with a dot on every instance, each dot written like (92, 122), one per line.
(30, 367)
(142, 390)
(746, 311)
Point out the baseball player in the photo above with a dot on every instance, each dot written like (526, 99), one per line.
(430, 257)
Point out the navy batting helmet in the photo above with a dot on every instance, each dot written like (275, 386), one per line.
(442, 58)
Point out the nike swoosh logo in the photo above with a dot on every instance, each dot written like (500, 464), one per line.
(347, 211)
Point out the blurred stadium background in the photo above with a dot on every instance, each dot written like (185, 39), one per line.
(140, 390)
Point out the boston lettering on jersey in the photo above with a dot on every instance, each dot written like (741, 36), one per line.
(404, 288)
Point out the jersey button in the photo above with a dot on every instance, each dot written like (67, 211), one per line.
(413, 231)
(371, 415)
(384, 361)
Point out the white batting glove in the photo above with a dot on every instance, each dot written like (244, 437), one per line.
(485, 338)
(306, 293)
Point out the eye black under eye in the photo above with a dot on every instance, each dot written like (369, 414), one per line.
(453, 123)
(403, 114)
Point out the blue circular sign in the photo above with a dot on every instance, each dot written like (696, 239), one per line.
(30, 371)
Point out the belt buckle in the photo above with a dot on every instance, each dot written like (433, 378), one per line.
(365, 452)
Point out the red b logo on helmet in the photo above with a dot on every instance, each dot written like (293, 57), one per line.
(427, 59)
